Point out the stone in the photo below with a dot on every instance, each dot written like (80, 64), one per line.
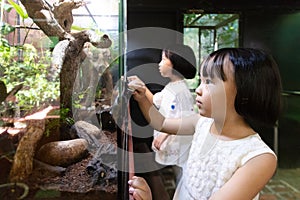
(63, 153)
(85, 128)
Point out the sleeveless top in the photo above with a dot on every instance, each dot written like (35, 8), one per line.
(212, 162)
(174, 101)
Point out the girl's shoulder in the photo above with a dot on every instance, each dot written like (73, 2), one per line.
(254, 146)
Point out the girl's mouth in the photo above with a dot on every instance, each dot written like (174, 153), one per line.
(198, 103)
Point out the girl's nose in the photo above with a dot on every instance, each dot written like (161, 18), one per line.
(160, 63)
(199, 90)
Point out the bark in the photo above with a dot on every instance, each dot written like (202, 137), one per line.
(63, 12)
(23, 159)
(71, 63)
(41, 13)
(3, 91)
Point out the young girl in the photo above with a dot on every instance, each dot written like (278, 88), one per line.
(174, 101)
(228, 159)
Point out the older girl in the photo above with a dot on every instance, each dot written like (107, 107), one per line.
(228, 160)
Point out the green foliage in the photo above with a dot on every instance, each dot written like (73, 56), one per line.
(78, 28)
(6, 28)
(64, 116)
(18, 9)
(21, 12)
(24, 64)
(7, 7)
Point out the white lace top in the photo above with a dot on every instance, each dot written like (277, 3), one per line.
(174, 101)
(212, 162)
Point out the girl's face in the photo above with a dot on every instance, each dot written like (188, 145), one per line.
(165, 66)
(215, 97)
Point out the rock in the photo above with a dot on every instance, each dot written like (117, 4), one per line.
(63, 153)
(85, 128)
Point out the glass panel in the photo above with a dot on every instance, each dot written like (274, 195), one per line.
(206, 19)
(228, 36)
(71, 168)
(207, 42)
(215, 30)
(191, 38)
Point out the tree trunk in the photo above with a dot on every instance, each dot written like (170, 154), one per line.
(72, 61)
(23, 159)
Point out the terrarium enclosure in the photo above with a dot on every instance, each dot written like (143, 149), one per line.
(58, 137)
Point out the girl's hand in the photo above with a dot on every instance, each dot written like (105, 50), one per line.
(159, 140)
(139, 189)
(137, 87)
(134, 82)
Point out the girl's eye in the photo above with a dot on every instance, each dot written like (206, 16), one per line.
(208, 81)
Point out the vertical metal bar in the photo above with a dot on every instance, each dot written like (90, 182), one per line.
(123, 165)
(276, 138)
(215, 40)
(200, 46)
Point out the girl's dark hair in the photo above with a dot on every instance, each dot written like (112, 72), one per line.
(257, 80)
(183, 60)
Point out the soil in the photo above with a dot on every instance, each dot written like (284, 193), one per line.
(75, 183)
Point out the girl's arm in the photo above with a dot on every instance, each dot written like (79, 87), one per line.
(157, 120)
(249, 180)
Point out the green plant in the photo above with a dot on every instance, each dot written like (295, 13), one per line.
(64, 116)
(22, 14)
(24, 64)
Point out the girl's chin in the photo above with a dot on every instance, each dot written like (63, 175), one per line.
(204, 114)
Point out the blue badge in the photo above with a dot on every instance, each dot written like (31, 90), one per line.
(173, 107)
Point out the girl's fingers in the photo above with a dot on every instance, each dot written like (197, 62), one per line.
(139, 183)
(156, 144)
(130, 78)
(137, 196)
(139, 189)
(135, 85)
